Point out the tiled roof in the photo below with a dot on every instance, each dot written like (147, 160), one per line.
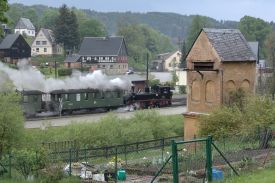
(8, 41)
(230, 44)
(48, 34)
(255, 48)
(72, 58)
(24, 23)
(97, 46)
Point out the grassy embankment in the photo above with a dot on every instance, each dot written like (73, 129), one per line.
(111, 130)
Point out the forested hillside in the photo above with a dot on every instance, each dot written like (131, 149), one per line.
(171, 24)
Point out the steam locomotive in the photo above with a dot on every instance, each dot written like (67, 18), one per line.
(67, 101)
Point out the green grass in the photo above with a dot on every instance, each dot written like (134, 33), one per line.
(261, 176)
(111, 130)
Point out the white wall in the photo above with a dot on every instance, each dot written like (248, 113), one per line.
(26, 31)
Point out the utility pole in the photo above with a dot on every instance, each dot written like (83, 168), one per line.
(55, 71)
(81, 65)
(147, 70)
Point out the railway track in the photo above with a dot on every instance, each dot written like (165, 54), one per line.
(177, 101)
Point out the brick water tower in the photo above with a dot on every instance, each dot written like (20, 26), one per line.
(219, 61)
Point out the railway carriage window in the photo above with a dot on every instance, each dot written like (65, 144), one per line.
(78, 97)
(99, 95)
(108, 94)
(25, 98)
(35, 98)
(86, 96)
(118, 94)
(66, 97)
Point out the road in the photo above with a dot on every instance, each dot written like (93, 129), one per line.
(90, 118)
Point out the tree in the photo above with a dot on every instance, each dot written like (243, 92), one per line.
(66, 28)
(11, 121)
(3, 8)
(183, 56)
(198, 23)
(270, 45)
(48, 19)
(91, 28)
(255, 29)
(140, 40)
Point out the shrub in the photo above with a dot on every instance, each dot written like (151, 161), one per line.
(182, 89)
(52, 173)
(64, 72)
(110, 130)
(28, 161)
(243, 118)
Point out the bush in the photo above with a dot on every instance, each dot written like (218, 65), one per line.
(64, 72)
(27, 162)
(182, 89)
(242, 118)
(144, 125)
(52, 173)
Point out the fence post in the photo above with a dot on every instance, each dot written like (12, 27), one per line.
(162, 149)
(175, 162)
(209, 158)
(70, 163)
(125, 154)
(116, 166)
(195, 143)
(10, 164)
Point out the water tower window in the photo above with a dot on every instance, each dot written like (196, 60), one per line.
(200, 66)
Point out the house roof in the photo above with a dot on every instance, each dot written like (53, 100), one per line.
(8, 41)
(255, 48)
(230, 44)
(72, 58)
(24, 23)
(97, 46)
(48, 34)
(165, 56)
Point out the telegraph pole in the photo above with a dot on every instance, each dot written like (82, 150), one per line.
(147, 70)
(55, 70)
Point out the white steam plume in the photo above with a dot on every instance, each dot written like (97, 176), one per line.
(29, 78)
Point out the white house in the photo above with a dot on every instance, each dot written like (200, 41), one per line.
(44, 44)
(166, 61)
(25, 26)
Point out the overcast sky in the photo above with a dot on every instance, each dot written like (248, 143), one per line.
(218, 9)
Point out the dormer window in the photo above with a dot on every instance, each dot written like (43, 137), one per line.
(203, 66)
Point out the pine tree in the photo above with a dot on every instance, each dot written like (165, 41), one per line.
(66, 29)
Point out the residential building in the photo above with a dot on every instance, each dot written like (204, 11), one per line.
(14, 48)
(25, 26)
(6, 29)
(108, 54)
(45, 44)
(166, 61)
(219, 62)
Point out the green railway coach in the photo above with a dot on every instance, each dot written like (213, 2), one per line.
(67, 101)
(32, 102)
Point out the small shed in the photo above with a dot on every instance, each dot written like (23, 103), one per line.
(219, 62)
